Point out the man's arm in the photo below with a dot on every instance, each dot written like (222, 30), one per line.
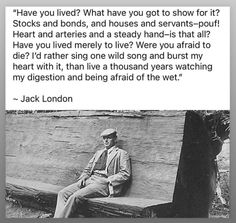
(87, 171)
(124, 172)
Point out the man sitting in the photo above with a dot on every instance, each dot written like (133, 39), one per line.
(104, 176)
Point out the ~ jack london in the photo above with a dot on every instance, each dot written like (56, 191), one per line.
(43, 98)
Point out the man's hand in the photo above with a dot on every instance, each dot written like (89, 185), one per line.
(82, 181)
(111, 190)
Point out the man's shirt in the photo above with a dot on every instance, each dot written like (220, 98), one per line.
(104, 172)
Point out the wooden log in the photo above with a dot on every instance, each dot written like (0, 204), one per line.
(43, 196)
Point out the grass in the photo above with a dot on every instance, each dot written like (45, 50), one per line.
(218, 209)
(15, 210)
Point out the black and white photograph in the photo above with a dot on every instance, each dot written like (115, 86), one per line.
(117, 163)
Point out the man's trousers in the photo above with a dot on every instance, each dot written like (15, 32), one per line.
(68, 199)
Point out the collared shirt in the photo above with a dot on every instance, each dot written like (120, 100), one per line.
(104, 172)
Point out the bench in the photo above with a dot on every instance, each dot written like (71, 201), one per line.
(43, 196)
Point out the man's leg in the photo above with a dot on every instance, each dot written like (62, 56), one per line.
(63, 196)
(73, 202)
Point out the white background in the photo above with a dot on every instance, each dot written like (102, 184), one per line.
(195, 90)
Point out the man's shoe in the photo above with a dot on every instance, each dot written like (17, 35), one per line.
(48, 215)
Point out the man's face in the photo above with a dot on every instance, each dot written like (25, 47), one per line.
(109, 141)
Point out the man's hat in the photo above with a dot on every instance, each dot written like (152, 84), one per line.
(108, 132)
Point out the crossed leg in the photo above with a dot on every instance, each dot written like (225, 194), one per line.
(68, 199)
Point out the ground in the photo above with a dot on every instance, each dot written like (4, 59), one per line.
(218, 209)
(15, 210)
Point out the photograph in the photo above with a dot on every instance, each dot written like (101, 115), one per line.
(117, 163)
